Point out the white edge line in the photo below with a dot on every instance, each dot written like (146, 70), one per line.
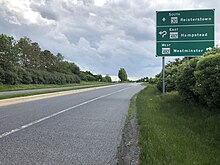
(187, 41)
(57, 113)
(168, 26)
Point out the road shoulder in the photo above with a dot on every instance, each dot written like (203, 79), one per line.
(128, 152)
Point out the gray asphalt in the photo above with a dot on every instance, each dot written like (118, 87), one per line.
(45, 89)
(87, 133)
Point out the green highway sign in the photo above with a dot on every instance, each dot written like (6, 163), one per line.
(184, 48)
(184, 33)
(185, 17)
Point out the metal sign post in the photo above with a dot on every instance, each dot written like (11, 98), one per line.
(163, 71)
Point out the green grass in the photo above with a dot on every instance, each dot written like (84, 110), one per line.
(174, 132)
(44, 92)
(4, 88)
(131, 109)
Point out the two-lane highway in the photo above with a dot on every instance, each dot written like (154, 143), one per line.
(83, 128)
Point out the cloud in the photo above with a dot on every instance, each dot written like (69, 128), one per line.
(98, 35)
(19, 12)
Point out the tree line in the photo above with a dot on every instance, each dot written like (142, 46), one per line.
(197, 80)
(24, 62)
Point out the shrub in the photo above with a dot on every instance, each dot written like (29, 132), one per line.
(37, 76)
(11, 78)
(185, 80)
(2, 76)
(24, 76)
(76, 79)
(31, 76)
(207, 76)
(170, 78)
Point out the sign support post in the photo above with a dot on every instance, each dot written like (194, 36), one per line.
(163, 71)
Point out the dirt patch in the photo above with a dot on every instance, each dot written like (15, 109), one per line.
(128, 152)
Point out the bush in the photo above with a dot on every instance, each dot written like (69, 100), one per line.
(207, 76)
(185, 80)
(31, 76)
(171, 73)
(153, 80)
(75, 79)
(24, 76)
(2, 76)
(37, 76)
(170, 79)
(11, 78)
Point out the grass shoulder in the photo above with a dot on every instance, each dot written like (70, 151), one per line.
(5, 88)
(47, 91)
(174, 132)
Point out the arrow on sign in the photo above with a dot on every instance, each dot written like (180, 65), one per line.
(209, 48)
(163, 33)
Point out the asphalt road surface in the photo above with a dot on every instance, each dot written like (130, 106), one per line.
(83, 128)
(45, 89)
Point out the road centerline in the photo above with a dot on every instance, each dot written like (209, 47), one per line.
(58, 113)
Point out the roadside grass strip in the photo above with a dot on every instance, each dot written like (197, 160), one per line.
(173, 132)
(5, 88)
(48, 91)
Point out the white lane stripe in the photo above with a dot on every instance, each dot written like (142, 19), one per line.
(55, 114)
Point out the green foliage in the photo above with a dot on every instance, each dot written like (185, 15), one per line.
(48, 61)
(185, 80)
(29, 53)
(68, 68)
(153, 80)
(159, 83)
(5, 87)
(208, 80)
(99, 78)
(122, 75)
(2, 75)
(11, 78)
(215, 50)
(196, 79)
(107, 78)
(46, 77)
(23, 62)
(171, 70)
(37, 76)
(174, 132)
(24, 76)
(8, 52)
(30, 76)
(87, 76)
(145, 79)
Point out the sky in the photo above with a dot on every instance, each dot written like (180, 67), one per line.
(101, 36)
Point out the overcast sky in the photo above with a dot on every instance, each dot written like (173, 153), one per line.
(98, 35)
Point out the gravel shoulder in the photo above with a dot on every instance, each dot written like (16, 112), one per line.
(128, 152)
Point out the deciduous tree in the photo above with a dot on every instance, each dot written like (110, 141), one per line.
(122, 75)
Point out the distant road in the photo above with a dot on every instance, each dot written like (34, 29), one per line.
(83, 128)
(45, 89)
